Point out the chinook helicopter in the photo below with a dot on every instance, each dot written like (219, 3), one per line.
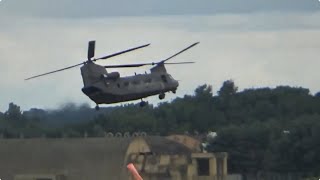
(107, 88)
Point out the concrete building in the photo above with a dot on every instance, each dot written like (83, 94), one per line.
(174, 157)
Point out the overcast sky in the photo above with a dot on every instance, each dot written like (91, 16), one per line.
(256, 43)
(104, 8)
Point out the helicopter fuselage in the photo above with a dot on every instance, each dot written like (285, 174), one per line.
(107, 88)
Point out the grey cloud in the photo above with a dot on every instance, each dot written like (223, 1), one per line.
(103, 8)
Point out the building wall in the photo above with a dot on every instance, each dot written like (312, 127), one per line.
(78, 159)
(174, 167)
(155, 165)
(103, 158)
(190, 142)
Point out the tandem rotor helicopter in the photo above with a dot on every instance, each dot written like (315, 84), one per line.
(107, 88)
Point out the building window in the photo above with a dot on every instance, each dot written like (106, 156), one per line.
(203, 167)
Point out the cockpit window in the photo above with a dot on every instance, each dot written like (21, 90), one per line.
(164, 78)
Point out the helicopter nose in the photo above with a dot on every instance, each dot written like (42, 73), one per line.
(176, 83)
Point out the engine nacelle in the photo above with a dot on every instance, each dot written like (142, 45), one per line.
(113, 75)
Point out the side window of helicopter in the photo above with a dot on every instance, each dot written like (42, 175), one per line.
(149, 80)
(107, 83)
(103, 76)
(164, 78)
(136, 82)
(118, 84)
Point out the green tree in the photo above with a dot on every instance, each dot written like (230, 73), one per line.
(13, 112)
(228, 88)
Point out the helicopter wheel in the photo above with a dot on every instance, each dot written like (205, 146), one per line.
(174, 91)
(97, 107)
(162, 96)
(143, 103)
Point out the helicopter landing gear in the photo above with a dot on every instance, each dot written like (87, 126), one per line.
(174, 91)
(97, 107)
(143, 103)
(162, 96)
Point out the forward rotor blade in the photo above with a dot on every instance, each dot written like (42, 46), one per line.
(121, 52)
(181, 51)
(54, 71)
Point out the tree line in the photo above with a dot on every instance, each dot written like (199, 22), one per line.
(263, 129)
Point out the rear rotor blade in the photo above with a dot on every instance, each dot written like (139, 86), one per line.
(181, 51)
(121, 52)
(91, 48)
(54, 71)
